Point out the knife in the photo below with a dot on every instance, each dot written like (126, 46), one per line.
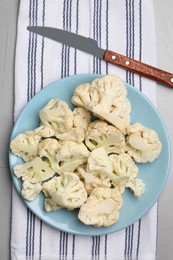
(90, 46)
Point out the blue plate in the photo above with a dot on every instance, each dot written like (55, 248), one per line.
(154, 174)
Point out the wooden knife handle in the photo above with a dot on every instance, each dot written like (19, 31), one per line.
(138, 67)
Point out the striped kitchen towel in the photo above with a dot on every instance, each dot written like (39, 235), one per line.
(125, 26)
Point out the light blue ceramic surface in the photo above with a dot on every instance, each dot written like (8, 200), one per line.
(153, 174)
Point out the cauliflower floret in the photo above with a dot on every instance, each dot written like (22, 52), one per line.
(48, 188)
(67, 191)
(106, 98)
(143, 143)
(50, 205)
(110, 83)
(30, 191)
(92, 180)
(101, 134)
(137, 186)
(70, 155)
(34, 171)
(101, 208)
(85, 96)
(63, 156)
(124, 170)
(25, 145)
(76, 134)
(48, 148)
(98, 161)
(123, 165)
(45, 131)
(82, 118)
(57, 115)
(136, 127)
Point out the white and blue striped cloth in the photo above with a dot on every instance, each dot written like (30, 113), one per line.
(125, 26)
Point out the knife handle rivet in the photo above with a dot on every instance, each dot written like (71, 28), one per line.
(113, 57)
(172, 80)
(127, 62)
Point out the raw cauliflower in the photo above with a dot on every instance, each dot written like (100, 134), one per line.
(101, 134)
(30, 190)
(98, 161)
(85, 96)
(143, 143)
(82, 118)
(57, 115)
(106, 98)
(70, 155)
(50, 186)
(25, 145)
(76, 134)
(34, 171)
(123, 165)
(63, 156)
(124, 170)
(45, 131)
(92, 180)
(137, 186)
(67, 191)
(50, 205)
(48, 149)
(101, 208)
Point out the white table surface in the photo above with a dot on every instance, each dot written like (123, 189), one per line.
(164, 34)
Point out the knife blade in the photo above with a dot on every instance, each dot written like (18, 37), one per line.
(90, 46)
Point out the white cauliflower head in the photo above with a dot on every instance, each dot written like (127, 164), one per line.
(45, 131)
(137, 186)
(67, 191)
(57, 115)
(30, 190)
(101, 208)
(82, 118)
(92, 180)
(48, 148)
(34, 171)
(124, 170)
(143, 143)
(100, 133)
(63, 156)
(76, 134)
(85, 96)
(50, 205)
(110, 84)
(123, 165)
(98, 161)
(25, 145)
(106, 98)
(50, 186)
(70, 155)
